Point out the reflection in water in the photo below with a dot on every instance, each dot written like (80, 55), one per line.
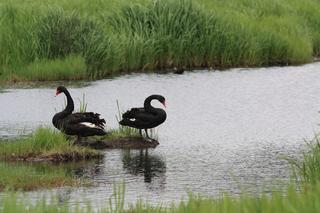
(82, 169)
(142, 162)
(89, 169)
(64, 196)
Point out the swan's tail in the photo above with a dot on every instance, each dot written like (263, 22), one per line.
(125, 122)
(96, 131)
(128, 114)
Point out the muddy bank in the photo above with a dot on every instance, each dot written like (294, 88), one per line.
(54, 157)
(121, 143)
(90, 152)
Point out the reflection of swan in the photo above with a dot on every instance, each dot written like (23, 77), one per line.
(86, 169)
(143, 163)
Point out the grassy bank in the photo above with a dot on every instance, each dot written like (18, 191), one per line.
(67, 40)
(44, 145)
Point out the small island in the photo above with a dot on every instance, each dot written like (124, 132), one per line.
(46, 144)
(121, 143)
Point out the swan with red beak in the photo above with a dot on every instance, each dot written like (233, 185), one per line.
(81, 124)
(146, 117)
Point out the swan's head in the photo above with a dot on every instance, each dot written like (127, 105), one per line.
(161, 99)
(60, 89)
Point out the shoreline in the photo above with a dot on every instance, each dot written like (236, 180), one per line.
(27, 84)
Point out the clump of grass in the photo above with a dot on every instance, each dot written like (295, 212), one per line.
(122, 131)
(307, 170)
(290, 201)
(60, 34)
(83, 104)
(45, 144)
(15, 176)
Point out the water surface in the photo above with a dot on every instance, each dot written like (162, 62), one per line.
(226, 131)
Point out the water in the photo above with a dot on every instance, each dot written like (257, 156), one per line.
(225, 132)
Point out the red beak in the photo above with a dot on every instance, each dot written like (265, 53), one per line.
(57, 92)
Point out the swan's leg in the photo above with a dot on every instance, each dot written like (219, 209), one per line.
(146, 130)
(140, 132)
(147, 133)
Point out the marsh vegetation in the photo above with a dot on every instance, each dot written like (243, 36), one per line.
(88, 41)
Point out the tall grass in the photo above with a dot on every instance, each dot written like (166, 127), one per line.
(308, 169)
(103, 38)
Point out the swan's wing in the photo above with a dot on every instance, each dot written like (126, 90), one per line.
(131, 113)
(138, 114)
(83, 130)
(144, 116)
(87, 117)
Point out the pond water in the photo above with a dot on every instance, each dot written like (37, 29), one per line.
(226, 131)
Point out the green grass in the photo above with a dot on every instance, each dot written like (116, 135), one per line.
(122, 132)
(18, 176)
(308, 170)
(69, 68)
(44, 144)
(290, 201)
(68, 40)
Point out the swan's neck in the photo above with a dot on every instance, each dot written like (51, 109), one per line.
(147, 103)
(70, 105)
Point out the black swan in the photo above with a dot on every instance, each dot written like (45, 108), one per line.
(81, 124)
(147, 117)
